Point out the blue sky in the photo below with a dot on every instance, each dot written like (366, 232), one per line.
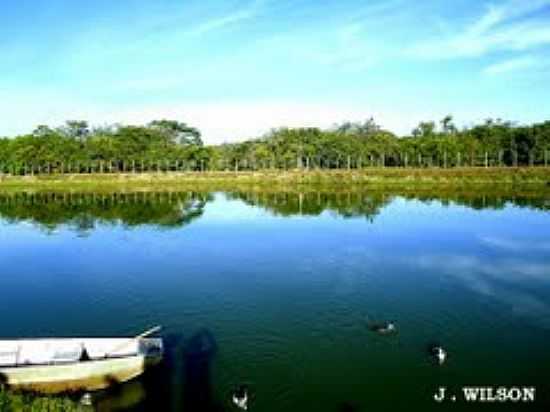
(237, 68)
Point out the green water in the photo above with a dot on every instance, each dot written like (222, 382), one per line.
(276, 290)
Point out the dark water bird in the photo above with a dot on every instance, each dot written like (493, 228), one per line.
(240, 397)
(384, 328)
(439, 354)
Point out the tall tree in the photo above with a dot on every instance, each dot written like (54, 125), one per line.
(178, 132)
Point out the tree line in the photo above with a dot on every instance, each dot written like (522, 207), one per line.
(167, 145)
(76, 148)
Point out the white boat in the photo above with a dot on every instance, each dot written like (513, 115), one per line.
(74, 364)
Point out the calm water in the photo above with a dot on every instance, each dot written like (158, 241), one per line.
(276, 290)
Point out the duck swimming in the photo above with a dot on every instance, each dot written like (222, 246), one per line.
(440, 354)
(240, 398)
(383, 328)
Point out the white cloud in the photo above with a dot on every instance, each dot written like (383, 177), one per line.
(221, 121)
(345, 47)
(348, 39)
(510, 26)
(511, 65)
(220, 22)
(236, 120)
(229, 19)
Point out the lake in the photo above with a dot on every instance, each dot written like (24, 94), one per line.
(277, 290)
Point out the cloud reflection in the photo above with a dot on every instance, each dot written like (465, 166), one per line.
(515, 245)
(513, 282)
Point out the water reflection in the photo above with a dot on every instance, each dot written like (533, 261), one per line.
(84, 211)
(347, 205)
(287, 299)
(369, 204)
(514, 280)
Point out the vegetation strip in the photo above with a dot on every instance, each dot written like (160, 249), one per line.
(16, 401)
(373, 178)
(172, 146)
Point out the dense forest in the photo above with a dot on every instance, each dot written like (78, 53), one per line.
(167, 145)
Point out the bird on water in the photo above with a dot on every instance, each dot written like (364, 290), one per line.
(240, 398)
(385, 328)
(439, 354)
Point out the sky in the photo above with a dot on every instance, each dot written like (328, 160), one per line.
(236, 69)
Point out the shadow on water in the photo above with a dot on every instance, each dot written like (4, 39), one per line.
(3, 381)
(162, 392)
(182, 382)
(199, 353)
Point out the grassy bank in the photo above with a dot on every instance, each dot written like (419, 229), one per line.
(13, 401)
(379, 177)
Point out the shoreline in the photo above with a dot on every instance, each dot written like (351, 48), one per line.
(534, 177)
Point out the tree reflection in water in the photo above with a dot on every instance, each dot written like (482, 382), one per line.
(84, 211)
(369, 204)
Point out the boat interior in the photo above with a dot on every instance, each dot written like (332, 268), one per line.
(60, 351)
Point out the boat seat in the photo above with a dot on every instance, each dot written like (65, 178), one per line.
(38, 353)
(8, 358)
(111, 348)
(67, 355)
(8, 353)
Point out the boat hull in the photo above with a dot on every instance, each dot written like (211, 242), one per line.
(83, 376)
(74, 364)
